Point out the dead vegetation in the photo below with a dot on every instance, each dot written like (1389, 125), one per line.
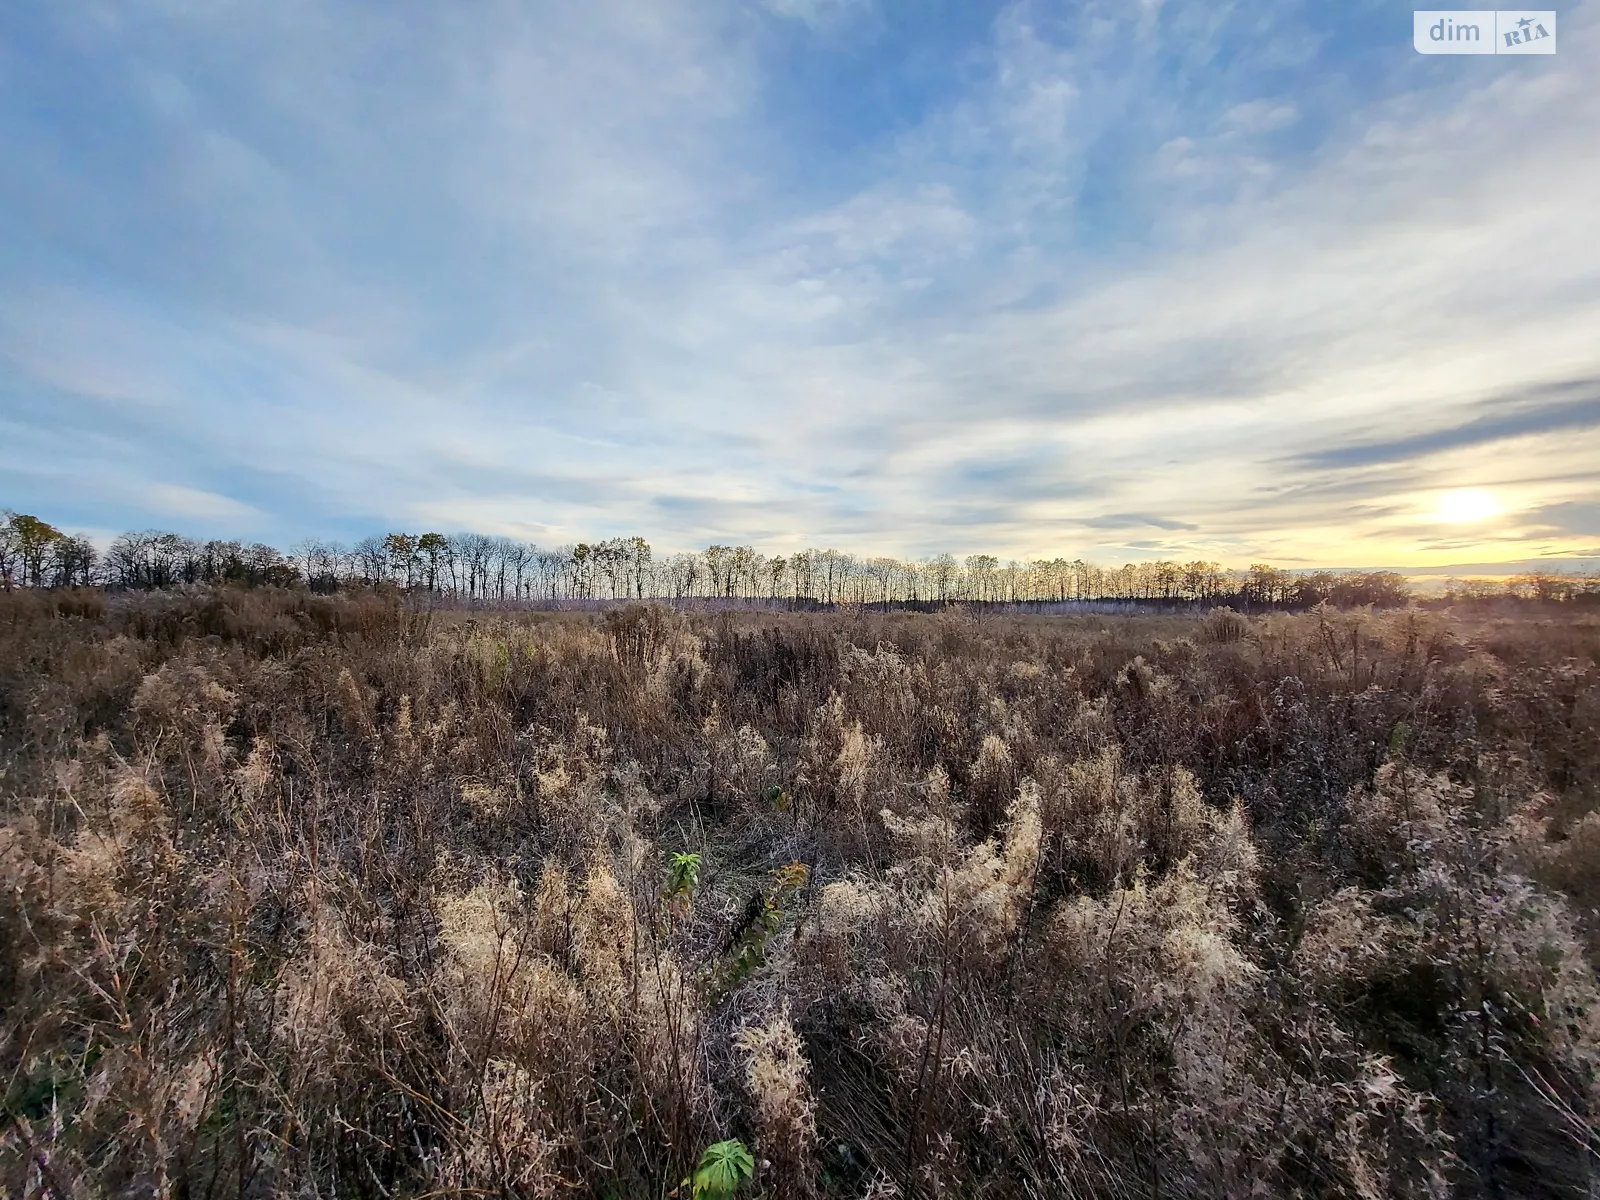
(323, 896)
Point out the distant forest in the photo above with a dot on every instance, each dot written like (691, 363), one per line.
(480, 568)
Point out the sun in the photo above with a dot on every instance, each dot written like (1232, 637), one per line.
(1465, 505)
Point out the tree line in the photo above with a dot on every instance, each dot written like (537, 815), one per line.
(478, 567)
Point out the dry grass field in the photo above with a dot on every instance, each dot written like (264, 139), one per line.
(326, 896)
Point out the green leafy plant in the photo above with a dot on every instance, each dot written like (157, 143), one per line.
(763, 919)
(683, 876)
(723, 1167)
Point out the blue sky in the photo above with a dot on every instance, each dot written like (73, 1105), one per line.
(1126, 279)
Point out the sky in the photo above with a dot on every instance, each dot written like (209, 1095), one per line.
(1115, 279)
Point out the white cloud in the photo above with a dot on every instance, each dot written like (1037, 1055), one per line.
(820, 14)
(1261, 116)
(171, 499)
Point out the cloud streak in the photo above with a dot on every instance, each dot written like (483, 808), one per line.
(1498, 426)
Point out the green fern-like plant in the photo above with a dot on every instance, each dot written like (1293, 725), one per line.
(723, 1167)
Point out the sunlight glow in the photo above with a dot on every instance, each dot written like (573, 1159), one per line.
(1466, 505)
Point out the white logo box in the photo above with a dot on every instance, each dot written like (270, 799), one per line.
(1484, 31)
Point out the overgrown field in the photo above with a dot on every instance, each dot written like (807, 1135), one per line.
(329, 897)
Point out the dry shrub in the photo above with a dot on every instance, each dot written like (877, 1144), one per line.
(507, 1143)
(842, 779)
(639, 992)
(325, 896)
(570, 774)
(884, 688)
(993, 782)
(1482, 987)
(1224, 626)
(522, 1024)
(186, 707)
(1103, 818)
(739, 763)
(777, 1075)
